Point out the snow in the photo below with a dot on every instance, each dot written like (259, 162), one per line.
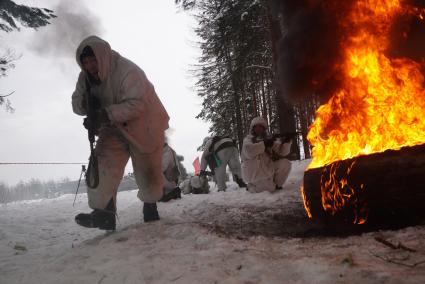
(222, 237)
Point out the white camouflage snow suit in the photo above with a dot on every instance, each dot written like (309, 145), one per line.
(170, 168)
(227, 154)
(195, 185)
(259, 171)
(138, 121)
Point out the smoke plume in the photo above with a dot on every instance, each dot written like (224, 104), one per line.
(408, 35)
(74, 22)
(313, 31)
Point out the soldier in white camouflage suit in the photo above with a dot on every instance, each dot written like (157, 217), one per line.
(220, 152)
(264, 167)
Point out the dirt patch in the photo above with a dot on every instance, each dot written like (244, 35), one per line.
(242, 222)
(245, 221)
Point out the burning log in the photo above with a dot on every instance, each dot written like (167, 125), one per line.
(367, 64)
(383, 187)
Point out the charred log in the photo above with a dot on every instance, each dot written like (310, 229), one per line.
(387, 187)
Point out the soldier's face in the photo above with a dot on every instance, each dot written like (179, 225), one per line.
(259, 130)
(91, 66)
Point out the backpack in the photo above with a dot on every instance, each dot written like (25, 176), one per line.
(212, 160)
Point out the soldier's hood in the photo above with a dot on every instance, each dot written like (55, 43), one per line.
(103, 52)
(257, 121)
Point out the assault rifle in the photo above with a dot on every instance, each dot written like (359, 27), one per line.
(206, 173)
(90, 122)
(269, 139)
(286, 136)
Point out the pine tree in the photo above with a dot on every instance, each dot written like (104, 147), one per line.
(234, 73)
(29, 17)
(11, 14)
(238, 72)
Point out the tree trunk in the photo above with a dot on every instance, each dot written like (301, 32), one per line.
(285, 109)
(263, 98)
(305, 123)
(236, 97)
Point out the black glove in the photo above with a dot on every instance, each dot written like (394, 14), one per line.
(91, 125)
(101, 118)
(86, 123)
(268, 142)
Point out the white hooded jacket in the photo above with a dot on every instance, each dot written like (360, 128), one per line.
(256, 163)
(170, 164)
(127, 95)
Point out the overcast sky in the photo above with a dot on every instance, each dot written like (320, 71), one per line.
(43, 128)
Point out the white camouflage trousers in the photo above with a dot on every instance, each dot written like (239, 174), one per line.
(228, 156)
(282, 168)
(113, 153)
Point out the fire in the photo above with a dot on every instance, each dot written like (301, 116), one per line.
(382, 101)
(379, 106)
(306, 203)
(338, 193)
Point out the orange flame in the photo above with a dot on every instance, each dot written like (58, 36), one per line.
(338, 193)
(306, 203)
(380, 105)
(382, 101)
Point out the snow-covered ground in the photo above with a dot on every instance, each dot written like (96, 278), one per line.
(222, 237)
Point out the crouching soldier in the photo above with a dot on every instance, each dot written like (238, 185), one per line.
(263, 165)
(195, 185)
(130, 121)
(218, 153)
(170, 168)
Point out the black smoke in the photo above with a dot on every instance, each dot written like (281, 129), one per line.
(74, 22)
(408, 34)
(311, 46)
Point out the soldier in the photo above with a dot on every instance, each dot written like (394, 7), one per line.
(130, 122)
(263, 165)
(220, 152)
(170, 168)
(195, 185)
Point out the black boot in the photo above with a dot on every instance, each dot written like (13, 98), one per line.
(174, 194)
(150, 212)
(239, 181)
(102, 219)
(178, 193)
